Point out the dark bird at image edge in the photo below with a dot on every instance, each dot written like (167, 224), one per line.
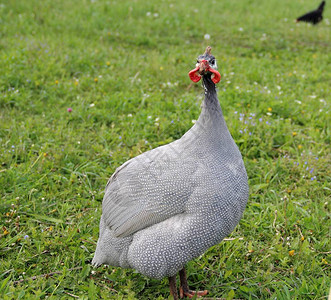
(314, 16)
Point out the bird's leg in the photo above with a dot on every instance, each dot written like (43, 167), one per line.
(173, 287)
(184, 289)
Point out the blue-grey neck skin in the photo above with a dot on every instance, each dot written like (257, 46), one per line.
(211, 115)
(211, 100)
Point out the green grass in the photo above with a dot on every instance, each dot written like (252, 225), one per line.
(121, 66)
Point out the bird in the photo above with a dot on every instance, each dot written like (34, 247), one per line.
(170, 204)
(314, 16)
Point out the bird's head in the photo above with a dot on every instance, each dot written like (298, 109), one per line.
(206, 66)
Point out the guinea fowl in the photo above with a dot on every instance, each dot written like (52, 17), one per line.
(314, 16)
(168, 205)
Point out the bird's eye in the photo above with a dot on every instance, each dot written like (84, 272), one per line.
(212, 61)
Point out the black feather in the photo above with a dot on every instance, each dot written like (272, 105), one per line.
(314, 16)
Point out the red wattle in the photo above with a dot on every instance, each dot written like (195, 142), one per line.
(217, 76)
(193, 75)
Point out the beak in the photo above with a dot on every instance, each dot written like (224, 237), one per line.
(201, 69)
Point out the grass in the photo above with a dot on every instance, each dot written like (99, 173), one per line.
(121, 67)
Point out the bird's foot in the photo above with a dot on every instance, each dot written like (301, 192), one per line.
(184, 292)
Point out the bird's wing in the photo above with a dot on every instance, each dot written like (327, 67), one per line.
(146, 190)
(308, 17)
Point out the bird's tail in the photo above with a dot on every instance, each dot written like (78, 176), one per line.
(95, 262)
(321, 7)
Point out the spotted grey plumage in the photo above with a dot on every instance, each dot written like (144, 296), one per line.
(169, 205)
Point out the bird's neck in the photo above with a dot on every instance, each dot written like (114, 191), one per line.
(211, 101)
(211, 126)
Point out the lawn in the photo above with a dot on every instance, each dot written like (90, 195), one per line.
(86, 85)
